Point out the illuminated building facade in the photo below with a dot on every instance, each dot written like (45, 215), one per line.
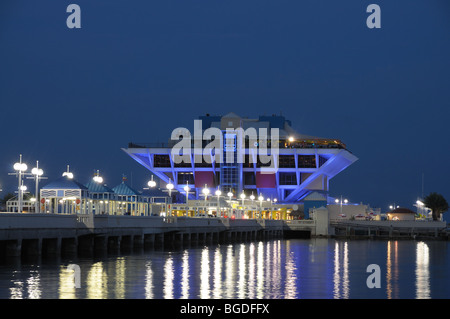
(300, 164)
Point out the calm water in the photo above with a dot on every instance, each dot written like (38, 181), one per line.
(316, 268)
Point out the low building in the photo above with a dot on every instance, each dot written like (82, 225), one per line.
(401, 214)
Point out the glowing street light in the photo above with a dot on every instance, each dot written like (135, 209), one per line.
(170, 187)
(187, 189)
(393, 206)
(20, 169)
(243, 201)
(341, 201)
(218, 193)
(230, 196)
(67, 173)
(97, 178)
(37, 176)
(151, 183)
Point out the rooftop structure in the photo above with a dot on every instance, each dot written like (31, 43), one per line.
(295, 165)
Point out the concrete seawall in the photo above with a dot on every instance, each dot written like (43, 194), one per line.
(389, 229)
(36, 234)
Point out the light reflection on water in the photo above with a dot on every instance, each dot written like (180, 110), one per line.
(316, 268)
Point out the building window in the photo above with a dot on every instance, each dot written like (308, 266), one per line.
(286, 161)
(201, 161)
(288, 179)
(259, 163)
(322, 160)
(161, 160)
(183, 163)
(307, 161)
(185, 178)
(248, 161)
(249, 178)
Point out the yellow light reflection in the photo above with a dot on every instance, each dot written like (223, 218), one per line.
(67, 288)
(34, 291)
(230, 270)
(242, 272)
(422, 271)
(217, 292)
(251, 271)
(204, 274)
(120, 278)
(96, 282)
(392, 270)
(260, 271)
(17, 290)
(149, 281)
(275, 273)
(168, 278)
(185, 276)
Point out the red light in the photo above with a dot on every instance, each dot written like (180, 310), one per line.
(233, 217)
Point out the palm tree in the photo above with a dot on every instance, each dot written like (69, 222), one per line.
(437, 203)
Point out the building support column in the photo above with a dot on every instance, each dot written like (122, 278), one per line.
(14, 248)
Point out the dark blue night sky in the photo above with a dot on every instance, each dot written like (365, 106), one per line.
(138, 69)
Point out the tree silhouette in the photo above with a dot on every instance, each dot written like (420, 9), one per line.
(437, 203)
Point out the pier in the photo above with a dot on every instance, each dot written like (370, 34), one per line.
(36, 234)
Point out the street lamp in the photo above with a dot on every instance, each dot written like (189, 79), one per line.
(67, 173)
(151, 183)
(205, 192)
(230, 195)
(261, 198)
(20, 169)
(37, 176)
(252, 197)
(337, 201)
(243, 199)
(170, 187)
(187, 189)
(218, 193)
(97, 178)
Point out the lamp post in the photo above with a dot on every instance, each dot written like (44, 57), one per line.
(252, 197)
(169, 187)
(420, 206)
(37, 176)
(243, 199)
(230, 195)
(20, 169)
(151, 183)
(261, 198)
(205, 192)
(100, 207)
(337, 201)
(187, 189)
(218, 193)
(97, 178)
(67, 173)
